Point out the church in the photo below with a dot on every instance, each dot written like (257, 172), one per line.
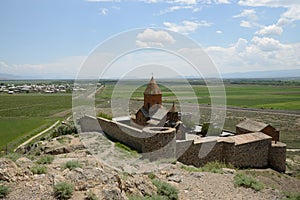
(152, 113)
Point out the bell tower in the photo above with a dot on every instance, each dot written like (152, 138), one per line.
(152, 96)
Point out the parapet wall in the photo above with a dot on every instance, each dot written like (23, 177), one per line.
(247, 150)
(118, 132)
(253, 154)
(277, 156)
(153, 142)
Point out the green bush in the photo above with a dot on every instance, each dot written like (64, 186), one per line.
(165, 190)
(151, 175)
(91, 196)
(64, 129)
(105, 116)
(63, 190)
(215, 167)
(244, 180)
(72, 164)
(126, 148)
(4, 190)
(153, 197)
(13, 156)
(38, 169)
(292, 196)
(191, 168)
(47, 159)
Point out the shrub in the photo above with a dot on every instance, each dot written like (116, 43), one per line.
(244, 180)
(151, 175)
(91, 196)
(153, 197)
(215, 167)
(105, 116)
(292, 196)
(64, 129)
(39, 169)
(125, 149)
(191, 168)
(4, 190)
(72, 164)
(47, 159)
(166, 190)
(13, 156)
(63, 190)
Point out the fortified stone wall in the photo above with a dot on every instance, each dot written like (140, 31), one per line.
(251, 150)
(89, 124)
(200, 153)
(277, 156)
(161, 144)
(117, 132)
(253, 154)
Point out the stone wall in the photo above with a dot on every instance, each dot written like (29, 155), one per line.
(277, 156)
(161, 144)
(89, 124)
(128, 135)
(200, 153)
(153, 142)
(253, 154)
(247, 150)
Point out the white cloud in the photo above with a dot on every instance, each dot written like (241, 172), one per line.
(260, 53)
(189, 2)
(103, 0)
(250, 16)
(219, 32)
(176, 8)
(103, 11)
(151, 37)
(63, 68)
(222, 1)
(3, 65)
(247, 13)
(266, 43)
(245, 24)
(293, 7)
(270, 30)
(186, 26)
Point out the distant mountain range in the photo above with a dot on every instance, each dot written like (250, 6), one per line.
(295, 73)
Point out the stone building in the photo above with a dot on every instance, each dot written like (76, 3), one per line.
(153, 113)
(251, 126)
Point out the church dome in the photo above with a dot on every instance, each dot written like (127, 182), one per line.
(152, 87)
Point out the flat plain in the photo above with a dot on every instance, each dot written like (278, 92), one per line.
(23, 115)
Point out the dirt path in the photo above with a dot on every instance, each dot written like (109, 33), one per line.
(37, 135)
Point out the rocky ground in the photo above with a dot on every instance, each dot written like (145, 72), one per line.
(109, 182)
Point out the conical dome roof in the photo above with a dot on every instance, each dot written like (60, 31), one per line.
(152, 87)
(174, 108)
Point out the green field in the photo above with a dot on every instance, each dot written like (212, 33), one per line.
(246, 96)
(271, 98)
(22, 115)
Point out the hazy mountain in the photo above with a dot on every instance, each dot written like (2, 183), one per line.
(264, 74)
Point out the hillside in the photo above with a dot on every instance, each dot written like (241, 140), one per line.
(34, 174)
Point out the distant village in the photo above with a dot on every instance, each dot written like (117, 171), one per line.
(45, 88)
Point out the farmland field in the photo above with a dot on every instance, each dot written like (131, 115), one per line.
(22, 115)
(277, 105)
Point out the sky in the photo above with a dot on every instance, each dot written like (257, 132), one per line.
(52, 38)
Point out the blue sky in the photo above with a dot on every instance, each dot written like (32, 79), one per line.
(51, 38)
